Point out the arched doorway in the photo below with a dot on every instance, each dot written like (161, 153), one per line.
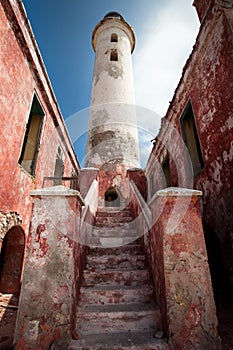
(11, 260)
(112, 198)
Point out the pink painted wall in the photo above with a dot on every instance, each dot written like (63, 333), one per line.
(177, 256)
(207, 82)
(53, 271)
(22, 75)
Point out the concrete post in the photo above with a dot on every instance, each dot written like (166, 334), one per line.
(183, 279)
(51, 272)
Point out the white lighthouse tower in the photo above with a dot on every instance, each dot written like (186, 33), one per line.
(113, 136)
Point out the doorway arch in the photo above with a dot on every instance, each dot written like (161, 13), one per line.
(11, 260)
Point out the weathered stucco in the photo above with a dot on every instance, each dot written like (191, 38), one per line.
(7, 221)
(51, 275)
(171, 220)
(112, 131)
(22, 75)
(207, 83)
(176, 250)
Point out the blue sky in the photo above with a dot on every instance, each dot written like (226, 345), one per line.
(165, 34)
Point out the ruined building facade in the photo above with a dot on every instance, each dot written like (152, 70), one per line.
(116, 256)
(34, 143)
(201, 112)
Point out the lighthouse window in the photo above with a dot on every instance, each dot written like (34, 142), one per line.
(114, 38)
(114, 55)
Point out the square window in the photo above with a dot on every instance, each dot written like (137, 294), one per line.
(114, 38)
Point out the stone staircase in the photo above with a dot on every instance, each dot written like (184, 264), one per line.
(117, 308)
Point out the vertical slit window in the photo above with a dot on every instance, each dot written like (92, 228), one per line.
(152, 186)
(31, 144)
(114, 55)
(166, 172)
(114, 38)
(191, 139)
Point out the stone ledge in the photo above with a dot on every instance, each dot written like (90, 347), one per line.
(178, 192)
(56, 191)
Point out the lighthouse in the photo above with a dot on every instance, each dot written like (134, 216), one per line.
(112, 140)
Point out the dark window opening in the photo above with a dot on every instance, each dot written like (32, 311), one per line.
(114, 55)
(222, 285)
(114, 38)
(215, 260)
(111, 198)
(32, 137)
(59, 167)
(152, 185)
(166, 172)
(11, 260)
(191, 139)
(74, 183)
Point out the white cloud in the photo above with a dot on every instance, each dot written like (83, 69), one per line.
(166, 44)
(158, 61)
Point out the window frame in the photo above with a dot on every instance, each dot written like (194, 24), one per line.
(188, 115)
(166, 165)
(114, 55)
(35, 105)
(114, 38)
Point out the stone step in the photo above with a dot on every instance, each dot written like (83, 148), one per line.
(120, 341)
(113, 212)
(115, 232)
(132, 249)
(108, 219)
(117, 318)
(114, 224)
(116, 307)
(116, 278)
(110, 242)
(123, 262)
(113, 295)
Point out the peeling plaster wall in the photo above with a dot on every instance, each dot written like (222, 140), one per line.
(7, 221)
(177, 255)
(116, 179)
(201, 7)
(23, 74)
(113, 135)
(207, 81)
(112, 81)
(52, 273)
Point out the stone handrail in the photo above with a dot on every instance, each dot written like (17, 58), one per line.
(90, 202)
(144, 208)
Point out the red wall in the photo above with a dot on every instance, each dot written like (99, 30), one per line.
(21, 75)
(207, 81)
